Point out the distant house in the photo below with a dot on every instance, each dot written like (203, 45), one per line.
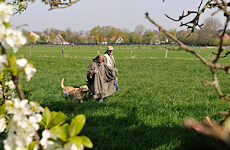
(225, 35)
(59, 40)
(117, 40)
(155, 40)
(104, 42)
(36, 36)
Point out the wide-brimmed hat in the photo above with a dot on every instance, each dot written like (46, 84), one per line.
(110, 48)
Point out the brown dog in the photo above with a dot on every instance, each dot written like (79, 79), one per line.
(74, 93)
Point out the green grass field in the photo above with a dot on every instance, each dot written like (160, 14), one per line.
(157, 95)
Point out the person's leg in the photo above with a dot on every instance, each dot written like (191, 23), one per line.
(117, 88)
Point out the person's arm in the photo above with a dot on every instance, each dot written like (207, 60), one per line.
(90, 71)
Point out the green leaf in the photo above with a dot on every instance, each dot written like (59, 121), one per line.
(6, 78)
(11, 70)
(76, 125)
(60, 132)
(76, 140)
(87, 142)
(2, 109)
(7, 24)
(57, 118)
(1, 75)
(12, 61)
(46, 115)
(31, 146)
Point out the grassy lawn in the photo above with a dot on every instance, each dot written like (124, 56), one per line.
(157, 95)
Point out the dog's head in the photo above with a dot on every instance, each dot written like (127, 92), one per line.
(84, 88)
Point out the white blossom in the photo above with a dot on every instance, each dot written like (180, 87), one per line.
(5, 12)
(10, 94)
(19, 39)
(34, 120)
(11, 38)
(21, 62)
(20, 109)
(6, 38)
(10, 84)
(23, 142)
(29, 71)
(2, 124)
(48, 145)
(36, 107)
(24, 4)
(9, 143)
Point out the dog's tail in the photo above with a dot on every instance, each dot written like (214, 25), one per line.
(62, 85)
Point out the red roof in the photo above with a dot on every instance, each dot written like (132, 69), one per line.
(59, 35)
(225, 35)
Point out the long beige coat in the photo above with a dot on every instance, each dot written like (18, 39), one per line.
(101, 84)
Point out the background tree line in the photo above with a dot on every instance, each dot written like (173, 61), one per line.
(208, 35)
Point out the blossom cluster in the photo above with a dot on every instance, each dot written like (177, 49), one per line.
(24, 126)
(24, 123)
(29, 70)
(51, 145)
(10, 37)
(7, 90)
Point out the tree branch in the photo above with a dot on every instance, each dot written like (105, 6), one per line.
(212, 66)
(54, 4)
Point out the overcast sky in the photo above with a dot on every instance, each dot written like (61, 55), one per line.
(86, 14)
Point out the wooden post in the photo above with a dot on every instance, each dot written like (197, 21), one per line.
(98, 52)
(139, 47)
(166, 54)
(62, 52)
(65, 46)
(30, 52)
(199, 52)
(131, 53)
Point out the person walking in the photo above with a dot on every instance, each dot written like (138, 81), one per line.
(101, 79)
(110, 61)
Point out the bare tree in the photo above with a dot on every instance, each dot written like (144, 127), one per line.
(212, 24)
(140, 29)
(208, 33)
